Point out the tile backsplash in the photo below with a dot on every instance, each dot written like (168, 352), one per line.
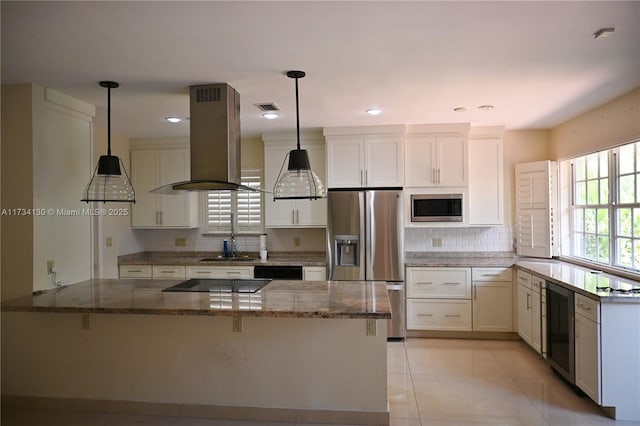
(492, 239)
(489, 239)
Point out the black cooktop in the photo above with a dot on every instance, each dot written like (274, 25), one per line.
(224, 285)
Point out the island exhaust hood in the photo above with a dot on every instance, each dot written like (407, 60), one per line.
(214, 141)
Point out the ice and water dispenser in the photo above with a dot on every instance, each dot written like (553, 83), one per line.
(346, 249)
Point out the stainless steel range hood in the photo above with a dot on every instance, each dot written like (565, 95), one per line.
(215, 140)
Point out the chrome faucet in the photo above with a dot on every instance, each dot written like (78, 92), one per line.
(232, 248)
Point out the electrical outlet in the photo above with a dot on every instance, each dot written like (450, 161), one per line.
(237, 324)
(296, 241)
(50, 265)
(436, 242)
(371, 327)
(86, 322)
(109, 241)
(181, 242)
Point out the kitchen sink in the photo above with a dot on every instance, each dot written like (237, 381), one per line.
(239, 258)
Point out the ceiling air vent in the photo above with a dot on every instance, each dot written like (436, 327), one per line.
(208, 94)
(268, 107)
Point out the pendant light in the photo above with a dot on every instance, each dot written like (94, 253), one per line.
(299, 181)
(108, 183)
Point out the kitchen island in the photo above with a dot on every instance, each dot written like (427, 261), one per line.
(295, 351)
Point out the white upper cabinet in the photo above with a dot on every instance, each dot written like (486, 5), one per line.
(486, 187)
(293, 213)
(432, 161)
(153, 166)
(365, 157)
(436, 155)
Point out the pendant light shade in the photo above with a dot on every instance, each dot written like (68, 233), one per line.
(108, 182)
(299, 181)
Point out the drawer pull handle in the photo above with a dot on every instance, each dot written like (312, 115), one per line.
(491, 275)
(203, 272)
(450, 283)
(134, 270)
(166, 272)
(425, 315)
(452, 315)
(424, 283)
(586, 308)
(233, 272)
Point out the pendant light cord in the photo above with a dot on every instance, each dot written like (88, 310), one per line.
(109, 120)
(297, 117)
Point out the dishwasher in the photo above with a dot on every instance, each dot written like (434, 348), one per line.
(278, 272)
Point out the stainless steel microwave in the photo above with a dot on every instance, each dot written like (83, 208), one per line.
(436, 207)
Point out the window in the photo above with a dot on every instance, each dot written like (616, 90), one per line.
(247, 204)
(605, 207)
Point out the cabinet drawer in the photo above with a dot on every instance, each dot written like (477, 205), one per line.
(447, 283)
(537, 283)
(169, 272)
(588, 308)
(439, 314)
(135, 271)
(492, 274)
(219, 272)
(524, 278)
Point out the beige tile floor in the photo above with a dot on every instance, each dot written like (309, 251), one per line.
(442, 382)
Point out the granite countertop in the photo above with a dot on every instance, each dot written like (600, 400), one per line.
(462, 259)
(174, 258)
(580, 279)
(280, 298)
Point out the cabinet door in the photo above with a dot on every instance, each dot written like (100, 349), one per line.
(144, 178)
(486, 206)
(452, 162)
(536, 322)
(524, 313)
(175, 210)
(345, 162)
(383, 161)
(492, 306)
(314, 273)
(587, 357)
(313, 213)
(420, 161)
(276, 213)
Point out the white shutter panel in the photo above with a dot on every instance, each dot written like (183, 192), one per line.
(534, 209)
(218, 212)
(250, 203)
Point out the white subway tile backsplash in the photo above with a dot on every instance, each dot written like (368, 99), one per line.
(460, 239)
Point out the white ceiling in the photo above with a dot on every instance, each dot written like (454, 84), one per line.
(537, 62)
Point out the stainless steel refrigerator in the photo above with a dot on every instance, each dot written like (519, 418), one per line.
(365, 239)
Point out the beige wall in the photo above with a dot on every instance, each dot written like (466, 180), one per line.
(17, 190)
(520, 146)
(116, 228)
(46, 142)
(611, 124)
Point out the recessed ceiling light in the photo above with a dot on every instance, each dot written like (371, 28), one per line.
(270, 115)
(603, 32)
(374, 111)
(460, 109)
(486, 107)
(173, 119)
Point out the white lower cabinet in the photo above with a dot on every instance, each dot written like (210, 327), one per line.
(587, 346)
(529, 309)
(169, 272)
(219, 271)
(136, 271)
(492, 299)
(440, 314)
(314, 273)
(438, 298)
